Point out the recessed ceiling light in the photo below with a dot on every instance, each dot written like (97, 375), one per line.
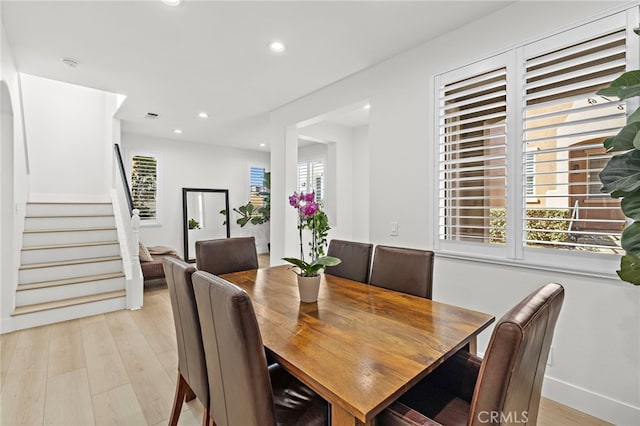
(367, 106)
(277, 46)
(69, 62)
(177, 131)
(262, 145)
(151, 115)
(171, 2)
(203, 115)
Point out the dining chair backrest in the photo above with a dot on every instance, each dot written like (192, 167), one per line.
(355, 257)
(237, 366)
(226, 255)
(512, 370)
(191, 360)
(403, 269)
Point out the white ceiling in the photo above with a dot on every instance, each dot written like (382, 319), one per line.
(211, 56)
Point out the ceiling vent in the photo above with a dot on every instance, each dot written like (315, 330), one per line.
(151, 115)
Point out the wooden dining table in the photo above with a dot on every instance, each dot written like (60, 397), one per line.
(359, 346)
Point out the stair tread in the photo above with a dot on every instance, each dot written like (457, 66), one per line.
(42, 231)
(69, 262)
(67, 281)
(70, 245)
(68, 202)
(26, 309)
(75, 215)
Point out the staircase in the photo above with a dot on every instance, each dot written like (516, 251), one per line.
(70, 263)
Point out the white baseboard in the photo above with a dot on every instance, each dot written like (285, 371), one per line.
(589, 402)
(7, 325)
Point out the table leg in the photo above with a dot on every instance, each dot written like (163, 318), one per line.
(341, 417)
(473, 346)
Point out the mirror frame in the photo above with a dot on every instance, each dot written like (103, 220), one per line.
(185, 219)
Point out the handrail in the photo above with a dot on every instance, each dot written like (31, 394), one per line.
(123, 175)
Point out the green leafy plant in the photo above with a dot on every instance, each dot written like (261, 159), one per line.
(621, 175)
(193, 224)
(249, 213)
(311, 216)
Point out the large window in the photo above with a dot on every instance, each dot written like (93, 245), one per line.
(520, 147)
(144, 186)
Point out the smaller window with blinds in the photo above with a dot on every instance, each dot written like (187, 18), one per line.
(564, 125)
(311, 178)
(257, 186)
(144, 186)
(472, 158)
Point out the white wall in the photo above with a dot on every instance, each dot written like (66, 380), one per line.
(13, 172)
(194, 165)
(68, 130)
(596, 350)
(360, 189)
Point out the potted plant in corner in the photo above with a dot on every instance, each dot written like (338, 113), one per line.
(311, 216)
(621, 176)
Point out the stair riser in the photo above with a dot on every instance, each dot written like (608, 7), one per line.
(48, 238)
(68, 313)
(68, 253)
(68, 271)
(53, 209)
(49, 294)
(69, 222)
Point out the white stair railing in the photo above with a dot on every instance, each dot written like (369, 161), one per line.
(128, 225)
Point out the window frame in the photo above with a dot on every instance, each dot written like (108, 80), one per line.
(157, 220)
(515, 252)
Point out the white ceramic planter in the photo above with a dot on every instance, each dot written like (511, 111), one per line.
(309, 288)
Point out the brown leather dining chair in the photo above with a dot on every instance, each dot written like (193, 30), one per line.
(403, 269)
(244, 390)
(226, 255)
(192, 371)
(356, 260)
(502, 388)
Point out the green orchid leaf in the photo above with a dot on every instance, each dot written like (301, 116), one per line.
(630, 240)
(297, 262)
(328, 261)
(621, 176)
(631, 206)
(623, 87)
(630, 269)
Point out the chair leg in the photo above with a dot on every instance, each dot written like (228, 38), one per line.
(181, 390)
(207, 420)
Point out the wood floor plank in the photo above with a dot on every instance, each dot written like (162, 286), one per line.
(64, 355)
(151, 383)
(118, 406)
(22, 398)
(152, 322)
(68, 400)
(169, 361)
(104, 365)
(8, 344)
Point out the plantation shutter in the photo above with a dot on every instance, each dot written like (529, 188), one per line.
(311, 178)
(144, 185)
(564, 125)
(256, 183)
(472, 156)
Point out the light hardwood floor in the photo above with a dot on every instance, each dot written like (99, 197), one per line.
(118, 369)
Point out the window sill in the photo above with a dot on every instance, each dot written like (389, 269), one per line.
(528, 264)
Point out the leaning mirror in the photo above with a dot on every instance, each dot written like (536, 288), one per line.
(201, 209)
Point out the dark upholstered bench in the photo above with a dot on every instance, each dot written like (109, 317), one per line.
(153, 269)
